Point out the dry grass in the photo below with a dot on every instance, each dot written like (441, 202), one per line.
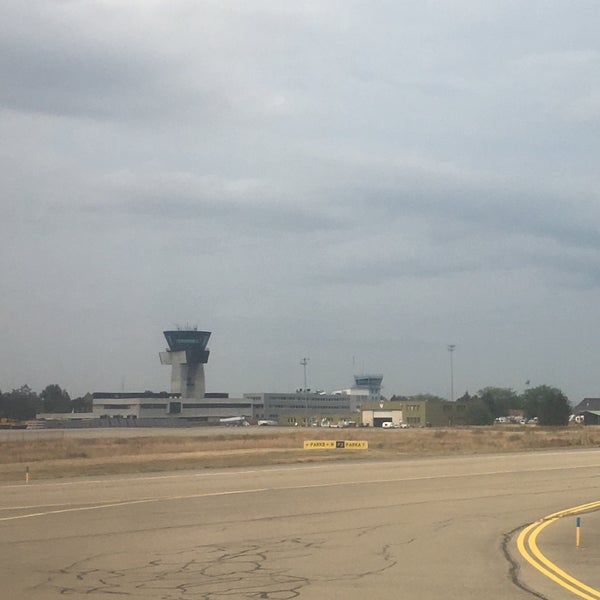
(69, 457)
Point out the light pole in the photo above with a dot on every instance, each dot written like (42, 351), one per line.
(304, 362)
(451, 350)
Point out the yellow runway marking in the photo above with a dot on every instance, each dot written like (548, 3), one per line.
(527, 545)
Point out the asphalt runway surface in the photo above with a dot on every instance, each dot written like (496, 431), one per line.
(425, 528)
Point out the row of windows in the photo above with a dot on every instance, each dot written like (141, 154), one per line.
(308, 402)
(311, 407)
(151, 406)
(298, 398)
(217, 405)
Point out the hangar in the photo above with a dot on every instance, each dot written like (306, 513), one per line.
(591, 417)
(414, 413)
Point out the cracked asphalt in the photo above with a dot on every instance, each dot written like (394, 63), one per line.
(413, 528)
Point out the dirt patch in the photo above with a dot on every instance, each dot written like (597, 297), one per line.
(68, 456)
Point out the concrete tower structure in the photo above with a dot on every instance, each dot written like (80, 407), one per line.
(371, 383)
(187, 354)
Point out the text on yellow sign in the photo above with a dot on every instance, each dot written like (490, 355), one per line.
(339, 444)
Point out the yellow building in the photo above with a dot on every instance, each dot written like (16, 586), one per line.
(413, 413)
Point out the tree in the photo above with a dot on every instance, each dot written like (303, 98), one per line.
(500, 401)
(478, 412)
(548, 404)
(426, 398)
(21, 404)
(55, 399)
(82, 404)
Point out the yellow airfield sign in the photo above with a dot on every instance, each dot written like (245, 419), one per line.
(333, 444)
(356, 445)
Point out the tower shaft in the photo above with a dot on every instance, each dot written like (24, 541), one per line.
(187, 354)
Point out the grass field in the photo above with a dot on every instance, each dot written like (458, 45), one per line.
(66, 455)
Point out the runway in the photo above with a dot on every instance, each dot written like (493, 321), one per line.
(415, 528)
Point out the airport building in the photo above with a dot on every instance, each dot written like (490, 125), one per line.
(147, 405)
(413, 413)
(187, 402)
(187, 352)
(308, 408)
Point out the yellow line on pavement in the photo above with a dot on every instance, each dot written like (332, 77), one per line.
(527, 545)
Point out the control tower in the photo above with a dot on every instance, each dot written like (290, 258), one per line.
(371, 383)
(187, 354)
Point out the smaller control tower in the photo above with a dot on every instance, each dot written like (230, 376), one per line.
(187, 354)
(371, 383)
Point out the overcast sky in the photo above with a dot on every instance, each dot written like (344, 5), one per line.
(358, 183)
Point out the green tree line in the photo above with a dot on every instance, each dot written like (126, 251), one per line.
(23, 403)
(546, 404)
(549, 405)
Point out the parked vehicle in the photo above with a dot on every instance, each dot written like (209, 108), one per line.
(8, 423)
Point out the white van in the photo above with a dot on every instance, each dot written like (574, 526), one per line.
(387, 425)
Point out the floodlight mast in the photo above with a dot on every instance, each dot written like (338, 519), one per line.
(304, 362)
(451, 348)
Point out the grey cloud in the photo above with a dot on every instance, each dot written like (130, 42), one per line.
(367, 273)
(56, 62)
(278, 169)
(270, 218)
(62, 81)
(497, 212)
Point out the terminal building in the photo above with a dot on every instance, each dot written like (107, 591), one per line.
(165, 406)
(187, 352)
(308, 408)
(188, 402)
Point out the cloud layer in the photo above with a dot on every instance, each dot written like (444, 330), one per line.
(362, 186)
